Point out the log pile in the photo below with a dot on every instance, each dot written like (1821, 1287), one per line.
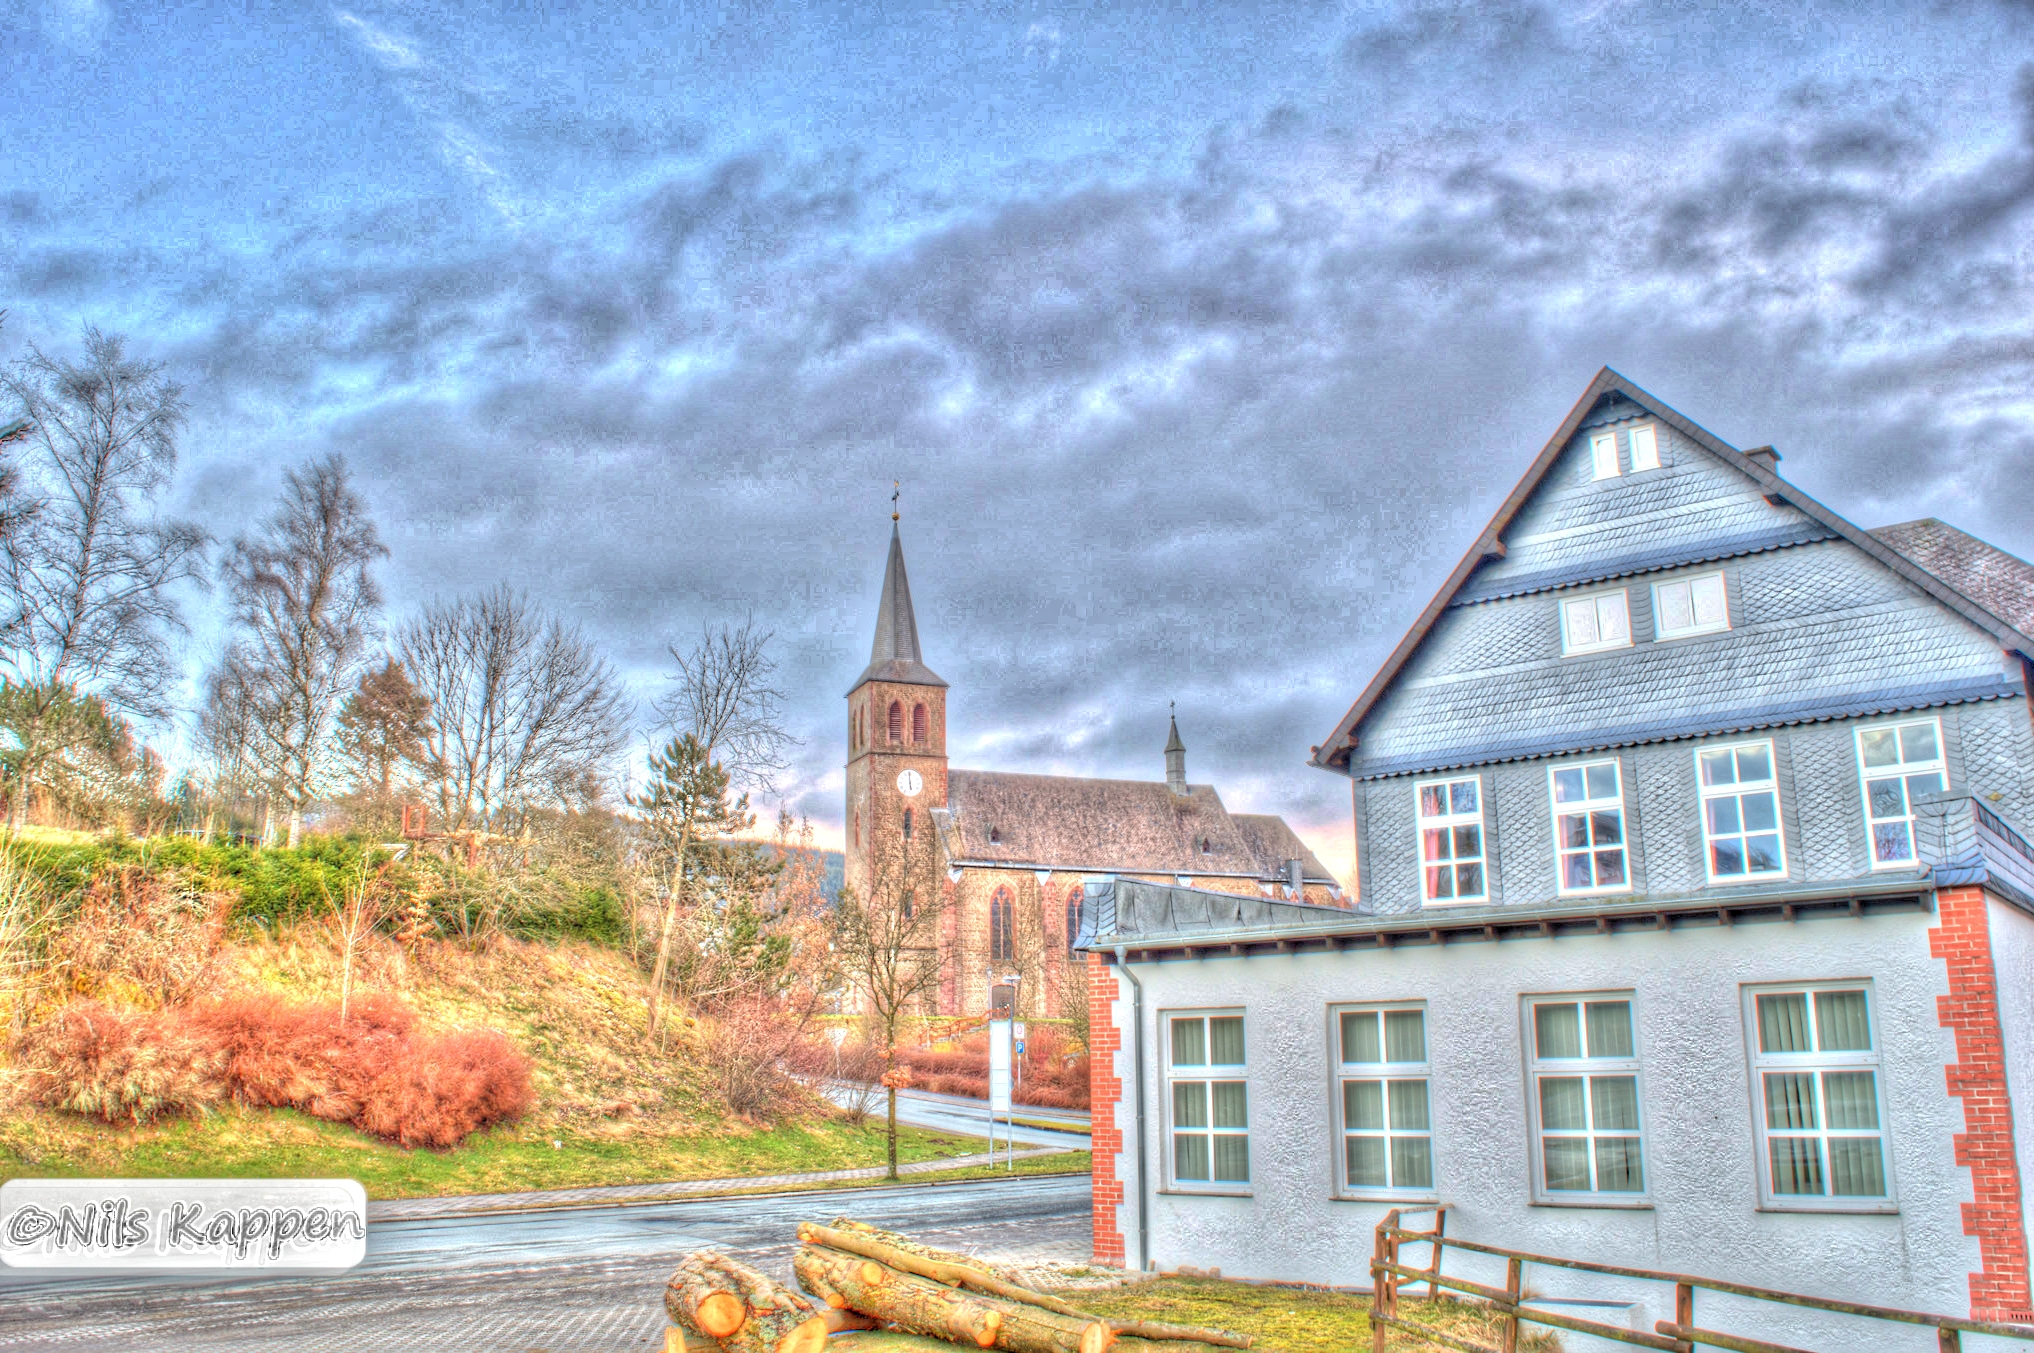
(885, 1293)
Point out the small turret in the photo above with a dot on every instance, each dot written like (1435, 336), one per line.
(1175, 761)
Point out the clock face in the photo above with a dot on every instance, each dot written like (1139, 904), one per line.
(909, 783)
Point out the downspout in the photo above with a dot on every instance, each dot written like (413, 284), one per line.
(1137, 1069)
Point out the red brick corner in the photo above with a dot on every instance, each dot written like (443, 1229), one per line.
(1105, 1092)
(1963, 940)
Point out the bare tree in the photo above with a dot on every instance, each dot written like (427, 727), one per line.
(87, 576)
(526, 711)
(308, 607)
(225, 734)
(887, 947)
(728, 717)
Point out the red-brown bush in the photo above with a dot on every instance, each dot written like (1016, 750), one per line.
(1054, 1076)
(372, 1070)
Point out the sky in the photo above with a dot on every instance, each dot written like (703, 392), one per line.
(1202, 339)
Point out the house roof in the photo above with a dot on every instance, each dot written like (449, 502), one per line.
(2000, 582)
(2012, 633)
(895, 656)
(1113, 826)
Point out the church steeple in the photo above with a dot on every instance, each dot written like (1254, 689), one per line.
(895, 655)
(1175, 761)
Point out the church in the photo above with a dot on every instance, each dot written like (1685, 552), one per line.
(1006, 854)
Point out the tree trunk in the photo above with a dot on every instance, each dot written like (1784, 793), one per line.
(922, 1306)
(887, 1341)
(865, 1231)
(891, 1132)
(909, 1257)
(671, 905)
(296, 829)
(743, 1309)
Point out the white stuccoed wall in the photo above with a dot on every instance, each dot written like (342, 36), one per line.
(1695, 1083)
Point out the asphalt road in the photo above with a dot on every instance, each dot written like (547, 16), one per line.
(587, 1280)
(970, 1117)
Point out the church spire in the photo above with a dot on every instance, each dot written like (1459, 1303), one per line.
(1175, 760)
(895, 655)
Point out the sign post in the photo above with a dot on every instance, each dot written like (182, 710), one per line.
(999, 1086)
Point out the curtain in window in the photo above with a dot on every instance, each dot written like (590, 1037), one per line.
(1783, 1024)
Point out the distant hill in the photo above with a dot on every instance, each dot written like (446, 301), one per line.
(836, 870)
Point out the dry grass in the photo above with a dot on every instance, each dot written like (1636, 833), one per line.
(1294, 1319)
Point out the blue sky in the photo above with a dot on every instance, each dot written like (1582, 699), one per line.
(1203, 337)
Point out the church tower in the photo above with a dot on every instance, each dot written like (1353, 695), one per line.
(896, 766)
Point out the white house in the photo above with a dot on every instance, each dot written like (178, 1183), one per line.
(1691, 931)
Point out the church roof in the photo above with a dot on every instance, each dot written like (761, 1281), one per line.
(895, 654)
(1111, 826)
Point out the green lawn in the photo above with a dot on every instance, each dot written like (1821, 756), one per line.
(1290, 1319)
(252, 1143)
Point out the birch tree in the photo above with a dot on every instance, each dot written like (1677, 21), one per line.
(886, 943)
(308, 608)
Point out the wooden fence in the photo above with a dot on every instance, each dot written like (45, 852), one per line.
(1509, 1302)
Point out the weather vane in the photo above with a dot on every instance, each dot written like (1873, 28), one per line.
(896, 487)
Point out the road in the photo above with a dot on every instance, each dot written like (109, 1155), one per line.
(585, 1280)
(957, 1114)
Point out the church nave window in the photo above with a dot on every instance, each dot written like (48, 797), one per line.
(1073, 921)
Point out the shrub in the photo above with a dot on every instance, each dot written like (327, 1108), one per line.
(372, 1070)
(744, 1055)
(154, 932)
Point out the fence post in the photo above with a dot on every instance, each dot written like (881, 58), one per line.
(1383, 1250)
(1440, 1229)
(1684, 1314)
(1514, 1284)
(1948, 1340)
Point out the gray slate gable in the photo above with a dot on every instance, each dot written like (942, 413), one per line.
(1561, 528)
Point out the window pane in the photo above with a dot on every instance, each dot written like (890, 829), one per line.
(1602, 780)
(1190, 1157)
(1881, 748)
(1917, 785)
(1723, 818)
(1761, 813)
(1468, 880)
(1433, 800)
(1609, 868)
(1852, 1100)
(1841, 1024)
(1762, 854)
(1755, 763)
(1790, 1100)
(1726, 858)
(1617, 1165)
(1574, 831)
(1468, 842)
(1645, 449)
(1717, 769)
(1783, 1024)
(1189, 1043)
(1575, 872)
(1366, 1163)
(1462, 795)
(1677, 607)
(1434, 843)
(1412, 1163)
(1363, 1106)
(1615, 1102)
(1887, 798)
(1409, 1106)
(1231, 1110)
(1606, 827)
(1557, 1031)
(1226, 1037)
(1405, 1036)
(1918, 743)
(1190, 1104)
(1891, 842)
(1359, 1037)
(1567, 786)
(1797, 1165)
(1603, 455)
(1232, 1159)
(1709, 607)
(1609, 1028)
(1857, 1167)
(1581, 617)
(1567, 1162)
(1613, 621)
(1440, 882)
(1562, 1108)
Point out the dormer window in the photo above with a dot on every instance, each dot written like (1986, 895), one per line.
(995, 836)
(1603, 454)
(1594, 623)
(1207, 846)
(1645, 448)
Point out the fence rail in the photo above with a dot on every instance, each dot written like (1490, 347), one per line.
(1680, 1335)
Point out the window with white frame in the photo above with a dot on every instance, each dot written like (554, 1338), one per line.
(1208, 1100)
(1645, 448)
(1583, 1069)
(1603, 454)
(1387, 1126)
(1897, 762)
(1589, 836)
(1451, 840)
(1740, 813)
(1594, 623)
(1821, 1116)
(1690, 606)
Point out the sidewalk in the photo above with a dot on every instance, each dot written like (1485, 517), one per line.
(618, 1195)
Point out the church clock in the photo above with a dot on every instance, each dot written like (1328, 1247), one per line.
(909, 783)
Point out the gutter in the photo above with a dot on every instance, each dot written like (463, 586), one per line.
(1137, 1064)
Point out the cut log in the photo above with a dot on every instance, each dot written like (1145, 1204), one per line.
(678, 1339)
(922, 1306)
(727, 1300)
(910, 1246)
(843, 1321)
(954, 1271)
(1175, 1335)
(1132, 1344)
(887, 1341)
